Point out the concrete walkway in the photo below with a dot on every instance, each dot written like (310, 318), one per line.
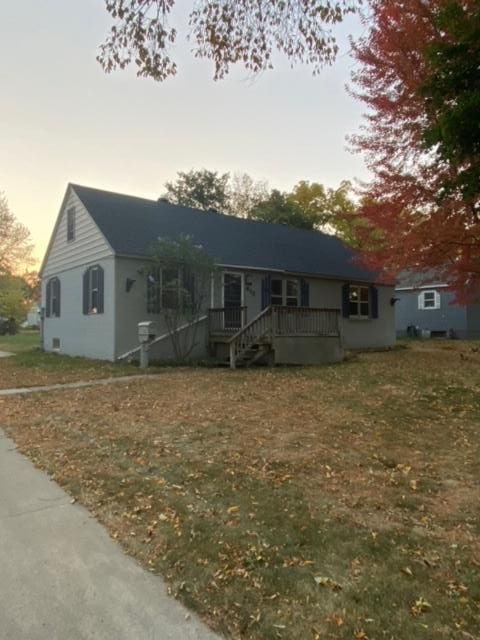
(75, 385)
(63, 578)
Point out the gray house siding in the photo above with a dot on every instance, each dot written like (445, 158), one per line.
(131, 309)
(449, 317)
(88, 246)
(134, 222)
(325, 293)
(91, 336)
(375, 332)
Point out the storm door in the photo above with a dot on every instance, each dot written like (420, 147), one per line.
(232, 300)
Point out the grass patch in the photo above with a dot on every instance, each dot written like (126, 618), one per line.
(22, 341)
(30, 367)
(334, 502)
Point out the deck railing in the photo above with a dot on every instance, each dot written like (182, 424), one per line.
(227, 320)
(284, 321)
(305, 321)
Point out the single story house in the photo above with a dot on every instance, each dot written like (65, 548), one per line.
(278, 293)
(425, 307)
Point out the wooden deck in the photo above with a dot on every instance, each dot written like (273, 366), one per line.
(249, 341)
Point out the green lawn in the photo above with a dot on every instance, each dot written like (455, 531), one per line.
(31, 367)
(338, 502)
(23, 341)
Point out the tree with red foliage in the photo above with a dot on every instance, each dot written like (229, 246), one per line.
(423, 204)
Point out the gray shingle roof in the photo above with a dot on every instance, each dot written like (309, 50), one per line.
(132, 224)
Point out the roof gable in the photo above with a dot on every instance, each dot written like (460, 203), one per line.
(131, 225)
(89, 244)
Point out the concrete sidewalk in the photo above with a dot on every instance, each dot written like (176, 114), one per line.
(63, 578)
(76, 385)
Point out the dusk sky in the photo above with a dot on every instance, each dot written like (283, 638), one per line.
(63, 120)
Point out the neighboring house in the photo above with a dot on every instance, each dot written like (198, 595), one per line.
(425, 307)
(291, 295)
(33, 317)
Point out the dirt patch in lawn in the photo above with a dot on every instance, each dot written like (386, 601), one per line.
(324, 502)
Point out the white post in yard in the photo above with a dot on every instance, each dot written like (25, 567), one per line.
(146, 333)
(144, 349)
(232, 356)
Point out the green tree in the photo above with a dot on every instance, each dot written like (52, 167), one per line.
(201, 189)
(244, 194)
(228, 32)
(15, 241)
(280, 208)
(182, 271)
(329, 209)
(451, 91)
(15, 297)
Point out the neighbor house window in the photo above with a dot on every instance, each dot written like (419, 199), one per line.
(359, 301)
(429, 300)
(93, 295)
(53, 298)
(71, 224)
(284, 292)
(168, 288)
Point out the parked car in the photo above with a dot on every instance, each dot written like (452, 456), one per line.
(8, 326)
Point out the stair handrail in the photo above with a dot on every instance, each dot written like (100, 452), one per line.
(246, 336)
(164, 336)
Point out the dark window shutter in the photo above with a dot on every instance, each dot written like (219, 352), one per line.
(101, 288)
(346, 301)
(49, 298)
(57, 297)
(86, 290)
(374, 302)
(304, 293)
(266, 292)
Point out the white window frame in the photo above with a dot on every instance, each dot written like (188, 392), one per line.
(422, 303)
(284, 296)
(159, 289)
(359, 315)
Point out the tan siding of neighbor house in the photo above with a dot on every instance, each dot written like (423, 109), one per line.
(89, 244)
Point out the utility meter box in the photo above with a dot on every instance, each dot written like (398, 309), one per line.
(146, 331)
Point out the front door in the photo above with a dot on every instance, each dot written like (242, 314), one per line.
(232, 300)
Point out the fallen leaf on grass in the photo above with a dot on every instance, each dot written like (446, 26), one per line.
(325, 581)
(420, 606)
(234, 509)
(335, 618)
